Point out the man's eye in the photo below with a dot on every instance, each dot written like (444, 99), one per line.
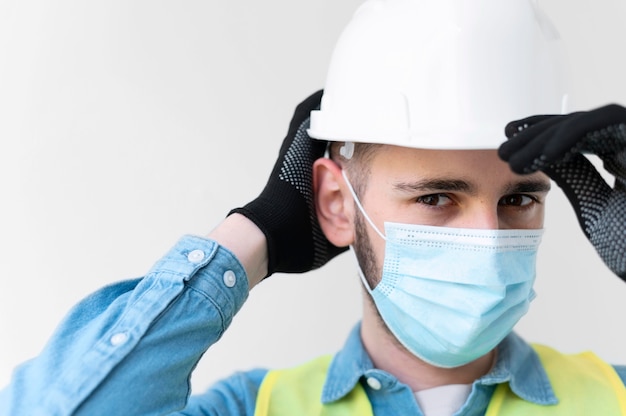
(517, 200)
(434, 200)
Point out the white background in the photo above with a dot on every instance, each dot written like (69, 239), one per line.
(126, 124)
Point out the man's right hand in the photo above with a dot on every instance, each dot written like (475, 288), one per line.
(284, 211)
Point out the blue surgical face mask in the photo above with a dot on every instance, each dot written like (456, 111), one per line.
(450, 295)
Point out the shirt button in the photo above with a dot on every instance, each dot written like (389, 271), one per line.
(374, 383)
(118, 339)
(229, 278)
(195, 256)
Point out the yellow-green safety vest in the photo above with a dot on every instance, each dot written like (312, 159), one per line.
(583, 383)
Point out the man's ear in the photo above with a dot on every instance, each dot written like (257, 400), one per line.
(333, 203)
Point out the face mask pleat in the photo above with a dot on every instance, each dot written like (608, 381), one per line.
(478, 265)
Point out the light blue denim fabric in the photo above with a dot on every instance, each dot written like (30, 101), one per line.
(129, 349)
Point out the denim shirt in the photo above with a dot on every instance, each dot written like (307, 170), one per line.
(130, 348)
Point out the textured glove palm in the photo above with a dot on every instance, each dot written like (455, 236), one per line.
(555, 145)
(284, 210)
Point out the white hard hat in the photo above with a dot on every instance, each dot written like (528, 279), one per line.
(440, 74)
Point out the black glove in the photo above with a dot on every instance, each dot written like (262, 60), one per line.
(285, 211)
(554, 145)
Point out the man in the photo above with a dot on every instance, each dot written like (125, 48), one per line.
(444, 231)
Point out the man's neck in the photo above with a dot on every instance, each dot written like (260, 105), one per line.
(389, 355)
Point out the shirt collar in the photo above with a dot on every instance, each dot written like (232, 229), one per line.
(346, 368)
(517, 362)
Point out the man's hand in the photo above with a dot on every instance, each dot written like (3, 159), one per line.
(555, 145)
(284, 211)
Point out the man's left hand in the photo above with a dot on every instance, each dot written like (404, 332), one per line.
(555, 144)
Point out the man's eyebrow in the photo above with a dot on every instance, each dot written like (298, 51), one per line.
(528, 186)
(457, 185)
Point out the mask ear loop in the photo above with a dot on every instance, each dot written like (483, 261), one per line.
(371, 223)
(360, 271)
(358, 204)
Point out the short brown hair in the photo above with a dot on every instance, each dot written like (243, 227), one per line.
(358, 166)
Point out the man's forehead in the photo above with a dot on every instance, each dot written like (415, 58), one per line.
(398, 154)
(456, 169)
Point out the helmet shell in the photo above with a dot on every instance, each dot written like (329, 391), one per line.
(440, 74)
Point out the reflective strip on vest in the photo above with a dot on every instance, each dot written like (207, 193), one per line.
(583, 383)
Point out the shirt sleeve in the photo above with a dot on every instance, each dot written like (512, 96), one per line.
(130, 348)
(232, 396)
